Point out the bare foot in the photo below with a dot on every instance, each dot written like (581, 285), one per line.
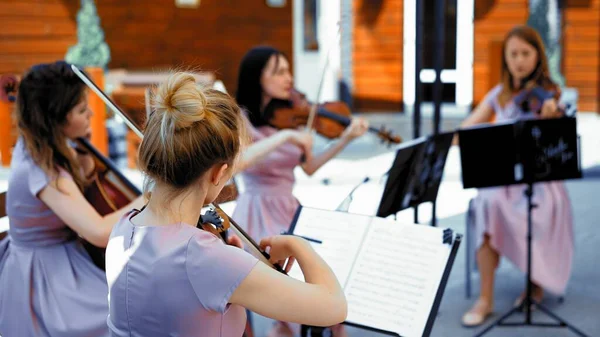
(478, 313)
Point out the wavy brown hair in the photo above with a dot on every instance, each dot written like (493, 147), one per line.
(46, 95)
(539, 76)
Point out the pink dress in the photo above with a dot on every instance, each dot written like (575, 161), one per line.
(267, 206)
(501, 212)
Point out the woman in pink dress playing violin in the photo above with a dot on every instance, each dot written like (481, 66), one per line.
(267, 205)
(501, 212)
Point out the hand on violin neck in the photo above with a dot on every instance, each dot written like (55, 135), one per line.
(234, 240)
(358, 127)
(550, 109)
(284, 248)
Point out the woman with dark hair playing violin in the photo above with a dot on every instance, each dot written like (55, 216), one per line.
(49, 284)
(166, 276)
(267, 206)
(500, 212)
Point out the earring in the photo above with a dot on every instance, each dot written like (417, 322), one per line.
(217, 184)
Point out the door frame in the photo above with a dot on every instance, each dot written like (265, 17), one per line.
(464, 56)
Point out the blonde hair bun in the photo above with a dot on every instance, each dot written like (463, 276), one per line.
(180, 102)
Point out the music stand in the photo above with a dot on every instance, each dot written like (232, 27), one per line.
(521, 152)
(414, 178)
(416, 174)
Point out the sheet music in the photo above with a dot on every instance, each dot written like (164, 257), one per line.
(396, 276)
(341, 237)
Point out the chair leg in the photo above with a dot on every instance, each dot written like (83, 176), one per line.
(469, 250)
(468, 264)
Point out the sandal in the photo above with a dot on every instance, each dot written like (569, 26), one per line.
(480, 311)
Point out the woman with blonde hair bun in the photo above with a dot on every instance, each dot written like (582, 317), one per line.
(167, 277)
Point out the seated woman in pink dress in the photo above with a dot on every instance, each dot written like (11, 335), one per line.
(267, 206)
(49, 285)
(501, 212)
(167, 277)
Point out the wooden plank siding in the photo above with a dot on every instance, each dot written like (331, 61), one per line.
(155, 36)
(581, 51)
(377, 54)
(492, 20)
(580, 45)
(35, 31)
(213, 37)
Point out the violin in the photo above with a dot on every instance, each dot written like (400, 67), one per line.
(108, 192)
(532, 97)
(330, 121)
(216, 221)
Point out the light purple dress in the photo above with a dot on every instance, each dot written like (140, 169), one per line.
(49, 286)
(267, 206)
(501, 212)
(173, 280)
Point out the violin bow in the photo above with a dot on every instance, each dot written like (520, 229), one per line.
(313, 109)
(247, 239)
(147, 102)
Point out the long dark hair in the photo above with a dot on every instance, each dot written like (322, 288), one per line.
(249, 90)
(540, 75)
(47, 93)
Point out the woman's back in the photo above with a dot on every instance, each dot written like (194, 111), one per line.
(173, 280)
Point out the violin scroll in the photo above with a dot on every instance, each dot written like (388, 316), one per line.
(8, 88)
(386, 136)
(215, 221)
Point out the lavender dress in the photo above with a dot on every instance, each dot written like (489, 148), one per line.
(267, 206)
(173, 280)
(501, 212)
(48, 283)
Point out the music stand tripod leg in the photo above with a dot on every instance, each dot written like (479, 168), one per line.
(315, 331)
(528, 302)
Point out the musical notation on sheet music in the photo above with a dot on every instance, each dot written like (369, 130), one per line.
(390, 272)
(392, 293)
(341, 238)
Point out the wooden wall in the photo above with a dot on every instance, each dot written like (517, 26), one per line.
(581, 51)
(214, 36)
(152, 35)
(581, 45)
(377, 54)
(492, 20)
(35, 31)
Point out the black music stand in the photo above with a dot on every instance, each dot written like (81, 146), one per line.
(521, 152)
(416, 174)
